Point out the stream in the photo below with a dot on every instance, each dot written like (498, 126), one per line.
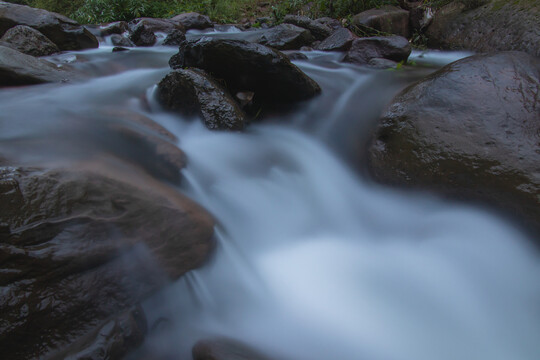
(313, 260)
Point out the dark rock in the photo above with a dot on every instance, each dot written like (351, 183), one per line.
(318, 30)
(193, 20)
(141, 36)
(119, 40)
(394, 48)
(470, 130)
(117, 27)
(340, 40)
(331, 23)
(17, 68)
(296, 56)
(29, 41)
(154, 25)
(224, 349)
(379, 63)
(175, 38)
(498, 26)
(248, 67)
(286, 37)
(193, 92)
(115, 339)
(67, 34)
(388, 19)
(84, 246)
(119, 49)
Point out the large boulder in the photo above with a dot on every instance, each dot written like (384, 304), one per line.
(388, 19)
(80, 247)
(395, 48)
(28, 41)
(193, 20)
(17, 68)
(192, 91)
(497, 26)
(319, 30)
(154, 25)
(247, 66)
(142, 36)
(117, 27)
(340, 40)
(67, 34)
(175, 38)
(470, 130)
(286, 37)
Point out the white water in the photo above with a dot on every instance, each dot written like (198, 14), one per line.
(312, 261)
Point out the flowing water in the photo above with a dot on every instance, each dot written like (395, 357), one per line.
(313, 260)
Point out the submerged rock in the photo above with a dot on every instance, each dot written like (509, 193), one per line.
(80, 247)
(318, 30)
(191, 92)
(17, 68)
(246, 66)
(470, 130)
(498, 26)
(395, 48)
(286, 37)
(67, 34)
(388, 19)
(28, 41)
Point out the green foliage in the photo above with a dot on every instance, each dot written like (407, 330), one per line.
(96, 11)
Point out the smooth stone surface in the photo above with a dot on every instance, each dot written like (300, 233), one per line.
(286, 37)
(29, 41)
(193, 20)
(395, 48)
(318, 30)
(340, 40)
(388, 19)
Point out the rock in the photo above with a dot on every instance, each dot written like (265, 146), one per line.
(382, 64)
(175, 38)
(248, 67)
(67, 34)
(395, 48)
(224, 349)
(154, 25)
(286, 37)
(295, 55)
(17, 68)
(119, 49)
(29, 41)
(193, 20)
(193, 92)
(388, 19)
(470, 130)
(329, 22)
(83, 246)
(117, 27)
(498, 26)
(115, 339)
(141, 36)
(119, 40)
(340, 40)
(318, 30)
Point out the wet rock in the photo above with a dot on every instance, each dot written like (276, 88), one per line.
(29, 41)
(498, 26)
(154, 25)
(115, 339)
(67, 34)
(329, 22)
(224, 349)
(142, 36)
(340, 40)
(395, 48)
(286, 37)
(295, 55)
(193, 20)
(119, 40)
(193, 92)
(388, 19)
(318, 30)
(175, 38)
(379, 63)
(248, 67)
(17, 68)
(117, 27)
(470, 130)
(119, 49)
(82, 247)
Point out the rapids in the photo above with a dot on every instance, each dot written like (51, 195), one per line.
(313, 260)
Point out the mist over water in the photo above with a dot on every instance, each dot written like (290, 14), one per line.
(313, 261)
